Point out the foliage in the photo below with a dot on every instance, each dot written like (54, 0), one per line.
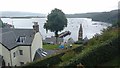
(56, 21)
(109, 17)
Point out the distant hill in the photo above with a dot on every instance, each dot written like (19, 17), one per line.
(19, 14)
(109, 17)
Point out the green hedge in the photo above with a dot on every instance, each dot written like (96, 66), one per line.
(96, 55)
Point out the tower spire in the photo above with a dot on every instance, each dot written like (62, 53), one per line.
(80, 34)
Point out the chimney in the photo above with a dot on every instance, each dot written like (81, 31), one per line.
(35, 27)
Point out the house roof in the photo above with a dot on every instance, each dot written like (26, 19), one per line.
(10, 35)
(43, 53)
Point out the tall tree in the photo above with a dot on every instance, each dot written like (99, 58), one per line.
(56, 21)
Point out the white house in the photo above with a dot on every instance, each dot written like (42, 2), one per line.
(19, 46)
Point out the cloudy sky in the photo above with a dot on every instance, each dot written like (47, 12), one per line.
(67, 6)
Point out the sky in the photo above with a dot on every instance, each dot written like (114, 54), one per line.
(67, 6)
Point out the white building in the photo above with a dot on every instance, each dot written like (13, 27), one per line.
(19, 46)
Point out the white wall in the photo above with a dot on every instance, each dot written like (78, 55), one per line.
(20, 58)
(6, 54)
(14, 59)
(37, 43)
(26, 54)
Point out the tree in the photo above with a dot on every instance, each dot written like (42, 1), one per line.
(56, 21)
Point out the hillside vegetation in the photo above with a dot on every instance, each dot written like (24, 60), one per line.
(109, 17)
(99, 50)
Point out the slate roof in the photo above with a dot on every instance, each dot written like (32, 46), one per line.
(9, 37)
(39, 53)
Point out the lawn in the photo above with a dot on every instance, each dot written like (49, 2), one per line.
(50, 46)
(53, 47)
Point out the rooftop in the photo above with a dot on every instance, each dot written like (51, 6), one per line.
(9, 37)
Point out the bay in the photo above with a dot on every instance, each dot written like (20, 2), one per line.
(90, 28)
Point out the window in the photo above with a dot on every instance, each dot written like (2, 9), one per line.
(14, 54)
(21, 39)
(21, 63)
(21, 52)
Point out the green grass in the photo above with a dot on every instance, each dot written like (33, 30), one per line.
(53, 47)
(50, 47)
